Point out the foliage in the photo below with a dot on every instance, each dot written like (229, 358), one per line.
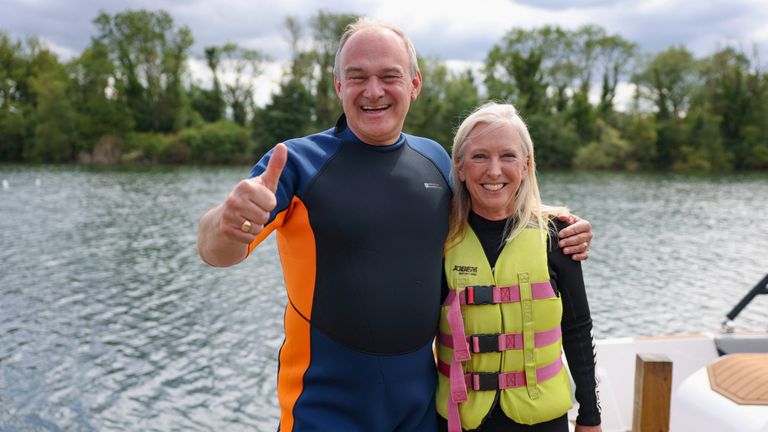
(289, 115)
(130, 98)
(608, 152)
(446, 99)
(149, 55)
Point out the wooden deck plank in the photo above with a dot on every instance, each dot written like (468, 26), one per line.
(742, 378)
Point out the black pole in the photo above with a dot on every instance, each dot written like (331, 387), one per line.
(760, 288)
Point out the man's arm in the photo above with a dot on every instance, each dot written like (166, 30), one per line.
(224, 235)
(576, 237)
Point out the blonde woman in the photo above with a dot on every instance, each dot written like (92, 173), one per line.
(514, 300)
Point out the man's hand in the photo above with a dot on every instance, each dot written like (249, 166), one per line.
(246, 209)
(576, 237)
(227, 229)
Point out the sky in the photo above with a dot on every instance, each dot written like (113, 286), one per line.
(458, 32)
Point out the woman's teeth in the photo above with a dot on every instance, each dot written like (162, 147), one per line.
(493, 187)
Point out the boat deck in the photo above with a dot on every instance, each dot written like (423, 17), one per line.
(742, 378)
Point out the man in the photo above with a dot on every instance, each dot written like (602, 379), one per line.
(362, 213)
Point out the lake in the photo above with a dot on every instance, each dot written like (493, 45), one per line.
(109, 321)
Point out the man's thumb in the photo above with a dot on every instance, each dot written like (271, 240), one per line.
(271, 176)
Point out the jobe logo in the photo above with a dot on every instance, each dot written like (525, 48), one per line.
(464, 270)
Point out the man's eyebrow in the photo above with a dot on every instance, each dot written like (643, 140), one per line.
(393, 69)
(350, 69)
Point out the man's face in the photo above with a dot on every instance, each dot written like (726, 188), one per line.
(375, 85)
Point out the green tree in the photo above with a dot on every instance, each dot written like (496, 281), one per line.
(327, 29)
(616, 56)
(608, 152)
(97, 111)
(703, 149)
(53, 119)
(725, 93)
(446, 98)
(514, 73)
(667, 81)
(150, 56)
(241, 66)
(14, 101)
(641, 132)
(555, 139)
(210, 103)
(288, 115)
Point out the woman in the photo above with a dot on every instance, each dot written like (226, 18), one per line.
(513, 298)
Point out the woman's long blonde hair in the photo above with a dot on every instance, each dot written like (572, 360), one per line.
(527, 209)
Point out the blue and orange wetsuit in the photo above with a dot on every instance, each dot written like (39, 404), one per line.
(360, 231)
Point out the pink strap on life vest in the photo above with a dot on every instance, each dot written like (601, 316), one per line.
(507, 379)
(507, 341)
(457, 396)
(506, 294)
(458, 380)
(456, 373)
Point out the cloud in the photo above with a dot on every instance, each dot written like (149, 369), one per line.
(448, 30)
(559, 4)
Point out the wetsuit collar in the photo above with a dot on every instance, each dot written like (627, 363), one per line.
(343, 131)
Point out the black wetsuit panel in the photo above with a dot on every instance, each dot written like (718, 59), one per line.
(374, 258)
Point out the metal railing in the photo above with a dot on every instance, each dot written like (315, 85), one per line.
(760, 288)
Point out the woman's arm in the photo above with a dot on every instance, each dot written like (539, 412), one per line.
(578, 343)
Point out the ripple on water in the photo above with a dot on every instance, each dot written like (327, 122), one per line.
(109, 320)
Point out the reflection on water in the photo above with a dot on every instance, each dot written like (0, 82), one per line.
(109, 320)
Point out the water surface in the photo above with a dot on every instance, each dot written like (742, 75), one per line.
(109, 321)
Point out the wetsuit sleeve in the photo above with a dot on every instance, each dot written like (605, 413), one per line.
(286, 189)
(434, 152)
(578, 343)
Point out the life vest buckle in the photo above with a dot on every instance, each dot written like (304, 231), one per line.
(477, 295)
(484, 381)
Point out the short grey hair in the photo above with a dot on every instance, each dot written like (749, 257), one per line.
(364, 23)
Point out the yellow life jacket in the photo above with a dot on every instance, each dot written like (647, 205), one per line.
(505, 324)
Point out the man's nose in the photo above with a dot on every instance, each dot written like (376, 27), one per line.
(374, 88)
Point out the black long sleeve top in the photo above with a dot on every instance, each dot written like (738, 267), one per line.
(567, 280)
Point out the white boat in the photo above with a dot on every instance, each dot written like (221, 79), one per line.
(711, 373)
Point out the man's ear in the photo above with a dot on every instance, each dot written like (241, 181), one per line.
(416, 85)
(337, 86)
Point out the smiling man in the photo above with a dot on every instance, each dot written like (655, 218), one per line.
(361, 212)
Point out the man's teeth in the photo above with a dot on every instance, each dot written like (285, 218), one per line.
(493, 187)
(373, 108)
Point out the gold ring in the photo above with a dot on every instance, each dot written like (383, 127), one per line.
(586, 245)
(246, 226)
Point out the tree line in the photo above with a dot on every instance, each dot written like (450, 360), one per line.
(129, 98)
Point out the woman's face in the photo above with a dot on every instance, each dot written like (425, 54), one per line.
(493, 167)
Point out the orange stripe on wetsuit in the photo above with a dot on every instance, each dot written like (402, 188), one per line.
(296, 244)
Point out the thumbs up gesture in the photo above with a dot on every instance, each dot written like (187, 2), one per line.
(247, 207)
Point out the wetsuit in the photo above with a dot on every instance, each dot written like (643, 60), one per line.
(360, 231)
(566, 278)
